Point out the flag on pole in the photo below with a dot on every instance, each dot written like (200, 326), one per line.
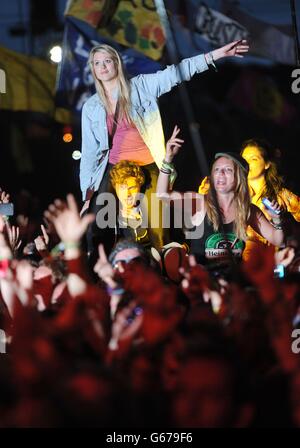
(29, 85)
(202, 27)
(94, 12)
(134, 23)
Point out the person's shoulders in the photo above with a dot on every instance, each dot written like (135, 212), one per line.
(140, 89)
(92, 100)
(138, 80)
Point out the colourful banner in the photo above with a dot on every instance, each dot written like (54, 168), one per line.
(94, 12)
(30, 83)
(134, 24)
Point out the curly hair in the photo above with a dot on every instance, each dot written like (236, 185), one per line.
(274, 182)
(124, 169)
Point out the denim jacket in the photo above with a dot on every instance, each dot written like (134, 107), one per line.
(145, 89)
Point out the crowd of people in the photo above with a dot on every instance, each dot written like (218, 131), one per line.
(127, 345)
(126, 325)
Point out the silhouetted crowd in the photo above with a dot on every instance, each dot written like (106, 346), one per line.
(126, 344)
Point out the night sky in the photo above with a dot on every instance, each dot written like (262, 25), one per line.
(222, 126)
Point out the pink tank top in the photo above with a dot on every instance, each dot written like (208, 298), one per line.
(128, 144)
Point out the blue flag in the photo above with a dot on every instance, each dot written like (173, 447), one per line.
(203, 25)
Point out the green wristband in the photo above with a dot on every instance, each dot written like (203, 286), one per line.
(71, 245)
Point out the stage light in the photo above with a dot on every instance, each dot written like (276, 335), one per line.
(68, 137)
(55, 54)
(67, 134)
(76, 155)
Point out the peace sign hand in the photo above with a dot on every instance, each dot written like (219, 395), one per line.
(173, 145)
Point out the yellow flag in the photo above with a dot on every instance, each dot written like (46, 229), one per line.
(90, 11)
(133, 23)
(29, 85)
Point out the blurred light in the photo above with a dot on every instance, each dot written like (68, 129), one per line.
(67, 137)
(56, 54)
(76, 155)
(67, 134)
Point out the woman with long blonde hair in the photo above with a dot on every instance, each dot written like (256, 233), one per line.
(122, 83)
(122, 122)
(225, 211)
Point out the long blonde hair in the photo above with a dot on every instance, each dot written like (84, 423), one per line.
(242, 203)
(123, 83)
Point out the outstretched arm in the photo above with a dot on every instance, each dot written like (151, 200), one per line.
(164, 80)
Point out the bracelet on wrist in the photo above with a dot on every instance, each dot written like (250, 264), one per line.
(276, 220)
(168, 172)
(277, 224)
(71, 244)
(168, 166)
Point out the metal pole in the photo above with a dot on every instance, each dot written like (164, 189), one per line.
(193, 126)
(295, 32)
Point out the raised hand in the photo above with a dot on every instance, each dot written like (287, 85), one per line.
(4, 197)
(236, 48)
(173, 145)
(274, 211)
(195, 281)
(104, 269)
(66, 220)
(42, 241)
(204, 186)
(13, 233)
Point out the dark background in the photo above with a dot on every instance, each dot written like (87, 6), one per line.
(34, 157)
